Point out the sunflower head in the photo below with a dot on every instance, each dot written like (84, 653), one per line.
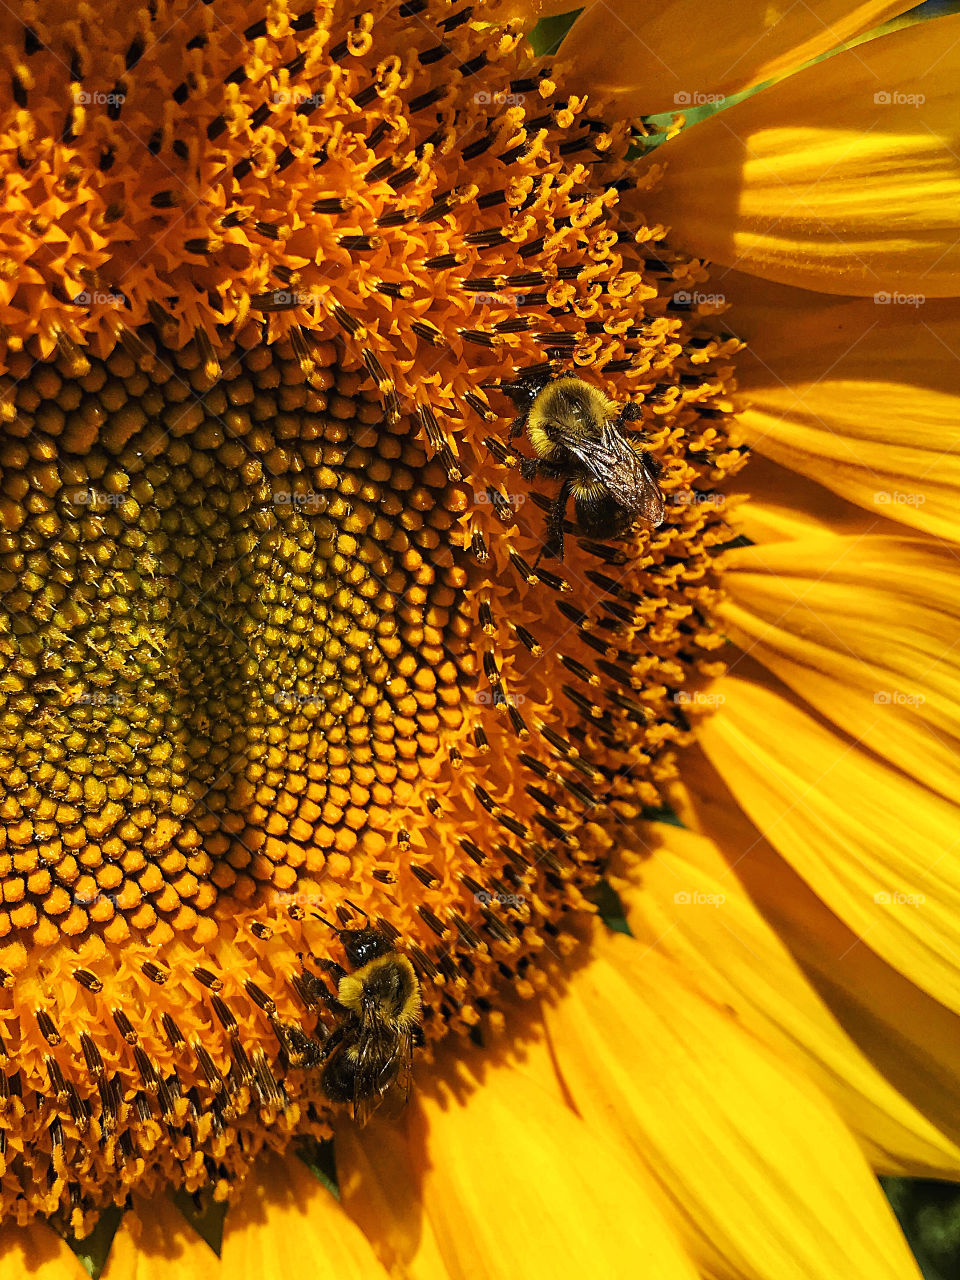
(279, 657)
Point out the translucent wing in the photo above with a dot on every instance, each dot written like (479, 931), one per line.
(624, 471)
(383, 1062)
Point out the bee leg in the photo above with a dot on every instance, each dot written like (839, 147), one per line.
(518, 424)
(553, 547)
(529, 468)
(335, 970)
(631, 412)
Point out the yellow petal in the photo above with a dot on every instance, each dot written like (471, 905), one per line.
(154, 1243)
(285, 1224)
(767, 1181)
(913, 1040)
(380, 1190)
(38, 1253)
(688, 903)
(672, 56)
(877, 847)
(863, 397)
(529, 12)
(865, 629)
(843, 178)
(782, 505)
(517, 1185)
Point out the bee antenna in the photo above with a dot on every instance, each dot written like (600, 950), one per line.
(353, 907)
(317, 916)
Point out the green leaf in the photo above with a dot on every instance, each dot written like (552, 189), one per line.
(320, 1159)
(547, 36)
(204, 1214)
(92, 1251)
(611, 909)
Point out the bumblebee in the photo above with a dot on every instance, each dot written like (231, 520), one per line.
(370, 1053)
(578, 435)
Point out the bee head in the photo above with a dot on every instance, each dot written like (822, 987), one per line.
(363, 945)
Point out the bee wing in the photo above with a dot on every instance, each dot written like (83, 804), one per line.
(623, 470)
(382, 1056)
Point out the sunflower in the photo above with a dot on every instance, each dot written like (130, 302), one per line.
(281, 656)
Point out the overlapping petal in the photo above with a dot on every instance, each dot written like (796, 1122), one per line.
(37, 1252)
(912, 1039)
(764, 1176)
(286, 1223)
(861, 395)
(844, 178)
(866, 630)
(686, 900)
(515, 1184)
(875, 845)
(667, 57)
(154, 1242)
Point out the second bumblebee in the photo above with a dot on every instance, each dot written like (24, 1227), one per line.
(579, 438)
(370, 1052)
